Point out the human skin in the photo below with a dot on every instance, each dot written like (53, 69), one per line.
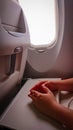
(52, 107)
(65, 85)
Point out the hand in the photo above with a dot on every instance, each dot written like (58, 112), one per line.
(44, 102)
(38, 87)
(52, 85)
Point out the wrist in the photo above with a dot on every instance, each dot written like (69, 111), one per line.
(53, 109)
(54, 85)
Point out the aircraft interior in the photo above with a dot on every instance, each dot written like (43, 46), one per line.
(36, 45)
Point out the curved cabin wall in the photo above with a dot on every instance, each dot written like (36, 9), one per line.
(64, 64)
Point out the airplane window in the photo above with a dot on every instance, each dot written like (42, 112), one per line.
(42, 21)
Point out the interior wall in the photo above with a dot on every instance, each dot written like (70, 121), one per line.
(64, 64)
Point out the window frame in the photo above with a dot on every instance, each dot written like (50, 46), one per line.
(48, 45)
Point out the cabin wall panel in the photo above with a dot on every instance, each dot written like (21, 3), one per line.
(64, 64)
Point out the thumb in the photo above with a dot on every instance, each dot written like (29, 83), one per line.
(46, 90)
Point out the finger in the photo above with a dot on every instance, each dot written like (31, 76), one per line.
(45, 89)
(49, 85)
(34, 94)
(46, 83)
(37, 86)
(32, 97)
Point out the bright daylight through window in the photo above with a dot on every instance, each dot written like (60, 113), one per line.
(41, 18)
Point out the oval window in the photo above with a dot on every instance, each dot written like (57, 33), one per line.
(42, 19)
